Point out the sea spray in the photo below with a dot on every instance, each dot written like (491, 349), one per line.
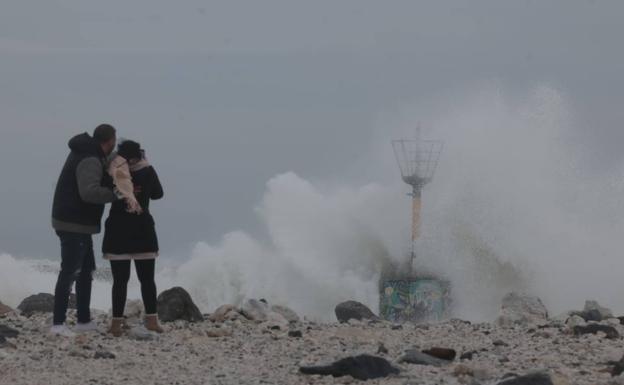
(511, 208)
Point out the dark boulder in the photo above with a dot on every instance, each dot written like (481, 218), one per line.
(176, 304)
(441, 353)
(363, 367)
(42, 303)
(416, 357)
(610, 331)
(354, 310)
(588, 315)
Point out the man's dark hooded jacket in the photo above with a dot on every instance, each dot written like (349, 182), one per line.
(83, 188)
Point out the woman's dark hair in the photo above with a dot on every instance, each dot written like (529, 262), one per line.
(129, 149)
(103, 133)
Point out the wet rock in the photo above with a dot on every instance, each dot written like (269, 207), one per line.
(176, 304)
(537, 378)
(522, 309)
(441, 353)
(4, 309)
(610, 331)
(353, 310)
(104, 355)
(363, 367)
(221, 314)
(287, 313)
(255, 310)
(42, 303)
(417, 357)
(8, 332)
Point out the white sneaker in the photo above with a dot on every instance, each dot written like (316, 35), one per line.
(62, 330)
(85, 328)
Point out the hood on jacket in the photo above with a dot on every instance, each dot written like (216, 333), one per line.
(85, 144)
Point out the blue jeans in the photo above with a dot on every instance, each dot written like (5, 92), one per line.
(77, 265)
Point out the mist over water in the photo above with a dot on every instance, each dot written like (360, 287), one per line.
(511, 207)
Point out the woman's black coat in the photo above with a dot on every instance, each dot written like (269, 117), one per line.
(128, 233)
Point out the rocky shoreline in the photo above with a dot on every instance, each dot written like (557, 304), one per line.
(262, 344)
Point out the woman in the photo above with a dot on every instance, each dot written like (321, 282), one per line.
(130, 233)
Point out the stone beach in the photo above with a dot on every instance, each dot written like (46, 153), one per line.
(233, 346)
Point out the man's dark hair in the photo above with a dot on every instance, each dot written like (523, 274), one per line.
(104, 132)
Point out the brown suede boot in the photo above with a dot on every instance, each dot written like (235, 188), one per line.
(116, 328)
(151, 323)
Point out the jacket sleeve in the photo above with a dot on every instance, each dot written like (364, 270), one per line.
(89, 176)
(157, 190)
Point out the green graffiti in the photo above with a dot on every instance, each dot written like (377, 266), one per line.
(418, 300)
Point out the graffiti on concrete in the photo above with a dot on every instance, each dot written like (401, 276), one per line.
(417, 300)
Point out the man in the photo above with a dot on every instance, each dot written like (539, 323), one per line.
(82, 191)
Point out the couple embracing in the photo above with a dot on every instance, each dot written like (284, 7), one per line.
(94, 175)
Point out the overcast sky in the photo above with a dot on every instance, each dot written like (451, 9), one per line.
(226, 94)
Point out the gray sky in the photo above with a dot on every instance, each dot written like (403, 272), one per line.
(226, 94)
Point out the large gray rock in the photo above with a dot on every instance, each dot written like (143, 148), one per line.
(286, 312)
(349, 310)
(255, 310)
(275, 321)
(222, 313)
(42, 303)
(176, 304)
(597, 312)
(4, 309)
(521, 309)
